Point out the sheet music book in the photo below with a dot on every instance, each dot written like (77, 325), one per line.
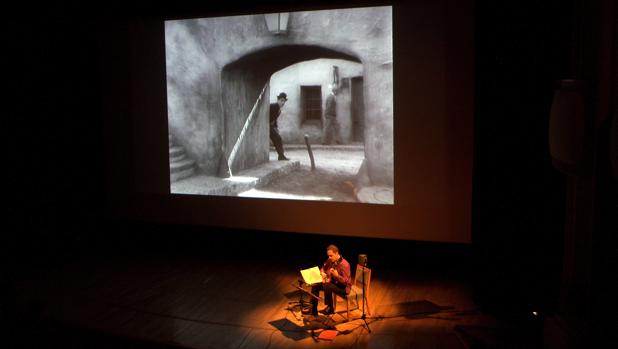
(312, 275)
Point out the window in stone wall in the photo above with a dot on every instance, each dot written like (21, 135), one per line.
(311, 99)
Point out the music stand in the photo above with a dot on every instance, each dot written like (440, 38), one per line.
(301, 302)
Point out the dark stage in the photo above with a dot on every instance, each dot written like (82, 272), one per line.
(239, 299)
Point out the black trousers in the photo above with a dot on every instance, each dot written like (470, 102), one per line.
(275, 137)
(328, 288)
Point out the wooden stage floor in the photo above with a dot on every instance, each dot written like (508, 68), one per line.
(191, 302)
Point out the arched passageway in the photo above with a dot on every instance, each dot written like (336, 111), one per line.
(217, 67)
(242, 81)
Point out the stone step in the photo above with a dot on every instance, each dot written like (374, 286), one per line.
(376, 195)
(181, 165)
(176, 151)
(177, 158)
(174, 177)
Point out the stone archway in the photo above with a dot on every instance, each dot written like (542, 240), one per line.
(241, 84)
(205, 57)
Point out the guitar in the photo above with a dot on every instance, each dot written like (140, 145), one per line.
(332, 267)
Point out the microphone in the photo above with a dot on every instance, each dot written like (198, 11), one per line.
(362, 259)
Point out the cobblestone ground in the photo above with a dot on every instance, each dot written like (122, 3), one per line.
(332, 179)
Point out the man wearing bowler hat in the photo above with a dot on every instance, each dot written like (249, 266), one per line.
(275, 111)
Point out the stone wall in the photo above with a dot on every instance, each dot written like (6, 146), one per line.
(199, 51)
(319, 72)
(195, 116)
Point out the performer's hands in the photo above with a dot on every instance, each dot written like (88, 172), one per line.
(334, 272)
(323, 274)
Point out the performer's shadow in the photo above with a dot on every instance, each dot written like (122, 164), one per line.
(290, 329)
(311, 326)
(417, 310)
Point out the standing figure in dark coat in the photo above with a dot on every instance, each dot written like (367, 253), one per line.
(275, 137)
(331, 125)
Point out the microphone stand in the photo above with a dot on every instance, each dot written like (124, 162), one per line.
(364, 317)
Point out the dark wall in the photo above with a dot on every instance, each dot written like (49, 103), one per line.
(53, 133)
(518, 207)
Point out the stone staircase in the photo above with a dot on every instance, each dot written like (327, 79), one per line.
(180, 165)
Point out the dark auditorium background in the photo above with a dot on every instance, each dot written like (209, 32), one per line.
(533, 226)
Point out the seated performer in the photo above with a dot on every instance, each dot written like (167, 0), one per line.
(336, 275)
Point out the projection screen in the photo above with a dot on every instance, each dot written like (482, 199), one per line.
(345, 121)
